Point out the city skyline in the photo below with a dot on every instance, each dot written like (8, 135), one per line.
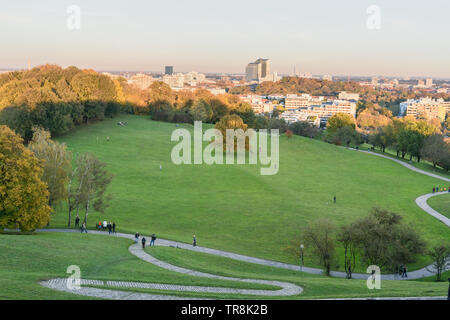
(223, 38)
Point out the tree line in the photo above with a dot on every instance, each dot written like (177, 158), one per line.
(36, 179)
(380, 238)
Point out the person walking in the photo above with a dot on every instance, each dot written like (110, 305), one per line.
(349, 271)
(114, 227)
(194, 241)
(434, 189)
(109, 228)
(404, 274)
(143, 242)
(334, 199)
(136, 237)
(83, 228)
(153, 239)
(77, 221)
(105, 224)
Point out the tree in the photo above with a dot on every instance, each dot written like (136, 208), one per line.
(201, 111)
(56, 164)
(304, 128)
(348, 237)
(346, 135)
(23, 195)
(434, 149)
(441, 258)
(384, 241)
(234, 122)
(288, 133)
(340, 120)
(318, 235)
(95, 179)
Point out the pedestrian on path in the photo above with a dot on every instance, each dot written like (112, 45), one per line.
(77, 221)
(404, 274)
(136, 237)
(114, 227)
(83, 228)
(109, 228)
(143, 242)
(194, 241)
(434, 189)
(152, 241)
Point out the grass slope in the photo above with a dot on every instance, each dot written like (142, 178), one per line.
(441, 204)
(27, 259)
(233, 207)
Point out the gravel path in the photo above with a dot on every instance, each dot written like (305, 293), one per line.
(60, 284)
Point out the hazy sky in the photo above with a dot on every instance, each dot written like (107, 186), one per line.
(223, 36)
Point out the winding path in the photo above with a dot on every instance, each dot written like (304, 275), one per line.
(60, 284)
(286, 289)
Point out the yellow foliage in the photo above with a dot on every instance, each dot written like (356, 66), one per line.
(23, 195)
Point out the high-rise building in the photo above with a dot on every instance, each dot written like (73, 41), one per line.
(169, 70)
(258, 70)
(429, 83)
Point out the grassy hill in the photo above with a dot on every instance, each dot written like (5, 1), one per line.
(441, 204)
(233, 207)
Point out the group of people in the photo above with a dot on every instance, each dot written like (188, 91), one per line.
(153, 239)
(437, 189)
(107, 225)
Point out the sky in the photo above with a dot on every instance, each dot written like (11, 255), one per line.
(320, 37)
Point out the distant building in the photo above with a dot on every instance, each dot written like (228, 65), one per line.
(175, 80)
(429, 83)
(299, 115)
(348, 96)
(374, 81)
(140, 80)
(293, 101)
(425, 108)
(258, 71)
(194, 78)
(168, 70)
(327, 77)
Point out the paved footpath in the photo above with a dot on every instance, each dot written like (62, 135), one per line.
(286, 289)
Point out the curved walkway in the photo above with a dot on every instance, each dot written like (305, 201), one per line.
(60, 284)
(287, 289)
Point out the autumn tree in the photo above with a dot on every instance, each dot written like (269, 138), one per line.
(95, 180)
(23, 195)
(434, 149)
(319, 236)
(441, 258)
(56, 164)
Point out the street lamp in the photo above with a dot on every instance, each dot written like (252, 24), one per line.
(301, 257)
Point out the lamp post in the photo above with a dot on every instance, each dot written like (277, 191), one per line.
(301, 257)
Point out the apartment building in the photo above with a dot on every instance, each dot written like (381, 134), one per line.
(293, 101)
(425, 108)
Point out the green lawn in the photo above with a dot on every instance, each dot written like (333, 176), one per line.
(27, 259)
(441, 204)
(233, 207)
(314, 286)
